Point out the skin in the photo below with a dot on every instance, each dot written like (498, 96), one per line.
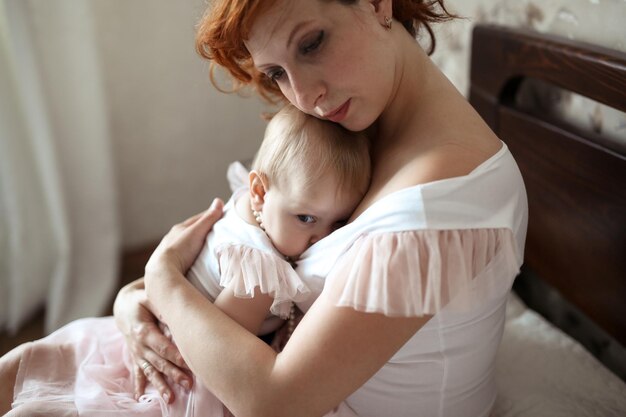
(295, 218)
(424, 131)
(319, 75)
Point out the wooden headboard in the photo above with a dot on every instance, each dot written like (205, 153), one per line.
(575, 180)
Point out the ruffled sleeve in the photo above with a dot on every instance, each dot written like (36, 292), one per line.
(243, 268)
(417, 273)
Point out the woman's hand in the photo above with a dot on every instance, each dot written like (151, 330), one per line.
(181, 245)
(156, 359)
(154, 355)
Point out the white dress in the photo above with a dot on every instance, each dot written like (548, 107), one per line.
(451, 248)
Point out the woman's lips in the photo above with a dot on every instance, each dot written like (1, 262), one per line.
(338, 114)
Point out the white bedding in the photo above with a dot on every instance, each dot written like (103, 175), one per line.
(541, 371)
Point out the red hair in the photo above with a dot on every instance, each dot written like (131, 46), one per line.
(226, 25)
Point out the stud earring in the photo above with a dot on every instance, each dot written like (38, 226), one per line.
(259, 220)
(388, 22)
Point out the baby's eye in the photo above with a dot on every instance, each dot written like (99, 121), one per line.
(305, 218)
(312, 45)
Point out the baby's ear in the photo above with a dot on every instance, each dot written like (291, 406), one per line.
(257, 190)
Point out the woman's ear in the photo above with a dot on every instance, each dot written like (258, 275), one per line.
(258, 189)
(383, 10)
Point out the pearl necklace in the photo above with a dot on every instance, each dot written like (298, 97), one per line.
(291, 322)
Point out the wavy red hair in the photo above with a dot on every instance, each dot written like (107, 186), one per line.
(227, 23)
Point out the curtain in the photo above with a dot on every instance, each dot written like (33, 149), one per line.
(59, 229)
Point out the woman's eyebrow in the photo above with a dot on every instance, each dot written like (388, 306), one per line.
(295, 29)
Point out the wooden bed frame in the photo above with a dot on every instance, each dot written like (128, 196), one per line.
(575, 257)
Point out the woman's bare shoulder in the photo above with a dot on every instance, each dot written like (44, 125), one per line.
(449, 159)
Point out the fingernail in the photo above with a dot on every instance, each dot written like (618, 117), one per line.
(213, 204)
(166, 397)
(185, 384)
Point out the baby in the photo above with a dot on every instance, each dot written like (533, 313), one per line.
(306, 180)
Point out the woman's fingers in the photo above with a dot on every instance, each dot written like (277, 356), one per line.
(157, 379)
(163, 354)
(140, 381)
(149, 335)
(170, 370)
(192, 219)
(182, 244)
(195, 229)
(153, 369)
(214, 211)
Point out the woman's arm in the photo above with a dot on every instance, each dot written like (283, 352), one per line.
(333, 351)
(135, 318)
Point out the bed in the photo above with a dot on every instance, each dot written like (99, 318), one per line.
(562, 352)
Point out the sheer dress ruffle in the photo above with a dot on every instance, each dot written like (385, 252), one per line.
(243, 268)
(417, 273)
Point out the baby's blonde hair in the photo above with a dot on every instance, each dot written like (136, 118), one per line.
(302, 148)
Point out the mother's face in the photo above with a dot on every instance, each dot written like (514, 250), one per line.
(330, 60)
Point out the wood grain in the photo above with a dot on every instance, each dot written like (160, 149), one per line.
(576, 185)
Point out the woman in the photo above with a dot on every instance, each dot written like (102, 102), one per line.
(414, 287)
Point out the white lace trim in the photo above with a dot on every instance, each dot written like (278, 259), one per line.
(242, 269)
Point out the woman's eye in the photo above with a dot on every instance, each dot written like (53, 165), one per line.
(305, 218)
(311, 46)
(276, 74)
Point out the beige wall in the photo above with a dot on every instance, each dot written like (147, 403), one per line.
(173, 133)
(600, 22)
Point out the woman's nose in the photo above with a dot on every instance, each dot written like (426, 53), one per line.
(307, 89)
